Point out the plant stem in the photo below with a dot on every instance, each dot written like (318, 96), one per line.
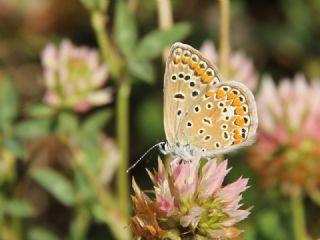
(298, 220)
(123, 144)
(110, 56)
(224, 37)
(117, 224)
(165, 19)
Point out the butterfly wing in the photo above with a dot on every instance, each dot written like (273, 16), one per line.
(188, 76)
(223, 119)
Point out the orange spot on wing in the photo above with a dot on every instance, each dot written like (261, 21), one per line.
(231, 95)
(185, 60)
(239, 122)
(209, 93)
(239, 110)
(236, 141)
(176, 60)
(199, 70)
(192, 64)
(206, 78)
(236, 102)
(220, 93)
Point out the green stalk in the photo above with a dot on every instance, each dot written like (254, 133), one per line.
(298, 217)
(224, 37)
(110, 56)
(117, 224)
(123, 144)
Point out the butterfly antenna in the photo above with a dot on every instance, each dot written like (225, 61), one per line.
(139, 160)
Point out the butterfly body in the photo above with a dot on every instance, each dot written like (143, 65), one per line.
(204, 115)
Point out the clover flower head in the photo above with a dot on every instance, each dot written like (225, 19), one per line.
(190, 201)
(73, 76)
(289, 133)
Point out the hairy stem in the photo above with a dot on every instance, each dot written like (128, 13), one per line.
(224, 37)
(298, 217)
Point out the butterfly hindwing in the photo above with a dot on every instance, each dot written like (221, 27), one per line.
(224, 118)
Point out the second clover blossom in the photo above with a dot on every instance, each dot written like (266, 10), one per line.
(241, 67)
(190, 201)
(73, 76)
(288, 139)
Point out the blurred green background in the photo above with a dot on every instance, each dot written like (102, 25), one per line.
(280, 36)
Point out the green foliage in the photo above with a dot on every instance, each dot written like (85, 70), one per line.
(17, 208)
(33, 128)
(38, 233)
(8, 103)
(152, 45)
(125, 29)
(56, 184)
(96, 122)
(40, 110)
(142, 70)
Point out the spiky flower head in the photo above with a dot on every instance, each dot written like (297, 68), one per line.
(241, 67)
(287, 149)
(190, 201)
(73, 76)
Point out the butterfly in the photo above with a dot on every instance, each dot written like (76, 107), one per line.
(203, 114)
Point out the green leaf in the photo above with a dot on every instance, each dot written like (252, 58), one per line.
(40, 110)
(125, 28)
(142, 70)
(29, 129)
(56, 184)
(8, 102)
(18, 208)
(38, 233)
(96, 122)
(154, 43)
(68, 122)
(15, 146)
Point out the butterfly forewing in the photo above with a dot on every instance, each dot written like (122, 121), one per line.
(188, 76)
